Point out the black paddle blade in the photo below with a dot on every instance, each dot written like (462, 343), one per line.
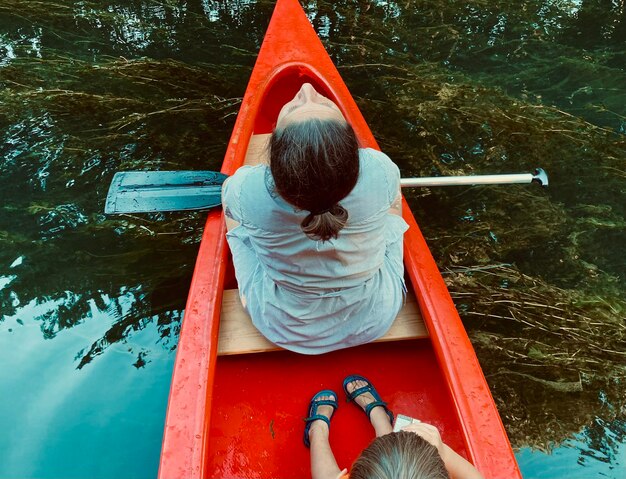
(151, 191)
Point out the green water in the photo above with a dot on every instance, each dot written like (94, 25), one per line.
(90, 306)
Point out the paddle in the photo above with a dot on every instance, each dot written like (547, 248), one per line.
(152, 191)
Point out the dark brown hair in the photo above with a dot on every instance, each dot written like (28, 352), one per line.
(315, 164)
(399, 455)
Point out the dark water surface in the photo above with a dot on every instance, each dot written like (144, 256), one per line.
(90, 306)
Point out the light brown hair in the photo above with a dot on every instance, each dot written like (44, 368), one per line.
(399, 455)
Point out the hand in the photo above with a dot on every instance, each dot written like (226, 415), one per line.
(457, 466)
(427, 432)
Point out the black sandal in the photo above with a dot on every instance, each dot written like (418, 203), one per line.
(313, 416)
(369, 388)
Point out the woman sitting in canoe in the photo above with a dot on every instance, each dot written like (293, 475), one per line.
(316, 236)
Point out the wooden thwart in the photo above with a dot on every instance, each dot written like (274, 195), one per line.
(239, 336)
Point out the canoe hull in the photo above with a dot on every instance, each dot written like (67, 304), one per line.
(242, 416)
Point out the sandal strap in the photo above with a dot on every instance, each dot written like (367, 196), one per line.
(372, 405)
(364, 389)
(325, 402)
(318, 417)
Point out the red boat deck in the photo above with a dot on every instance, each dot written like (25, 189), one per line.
(260, 401)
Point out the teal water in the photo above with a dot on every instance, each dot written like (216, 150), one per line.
(90, 306)
(580, 457)
(102, 421)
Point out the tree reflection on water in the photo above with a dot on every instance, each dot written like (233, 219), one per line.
(90, 88)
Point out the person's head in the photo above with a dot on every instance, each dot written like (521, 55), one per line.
(399, 455)
(314, 161)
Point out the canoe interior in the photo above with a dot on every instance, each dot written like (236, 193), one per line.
(241, 416)
(283, 88)
(260, 401)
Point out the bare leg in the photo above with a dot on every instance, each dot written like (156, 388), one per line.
(323, 463)
(378, 416)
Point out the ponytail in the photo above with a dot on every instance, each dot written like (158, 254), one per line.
(325, 224)
(314, 165)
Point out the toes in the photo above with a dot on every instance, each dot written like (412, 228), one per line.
(328, 397)
(354, 385)
(362, 399)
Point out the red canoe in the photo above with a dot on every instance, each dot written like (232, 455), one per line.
(240, 416)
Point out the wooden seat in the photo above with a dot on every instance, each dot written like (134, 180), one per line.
(238, 335)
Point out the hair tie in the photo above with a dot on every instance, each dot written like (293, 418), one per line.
(321, 212)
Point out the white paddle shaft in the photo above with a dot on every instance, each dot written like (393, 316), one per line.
(469, 180)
